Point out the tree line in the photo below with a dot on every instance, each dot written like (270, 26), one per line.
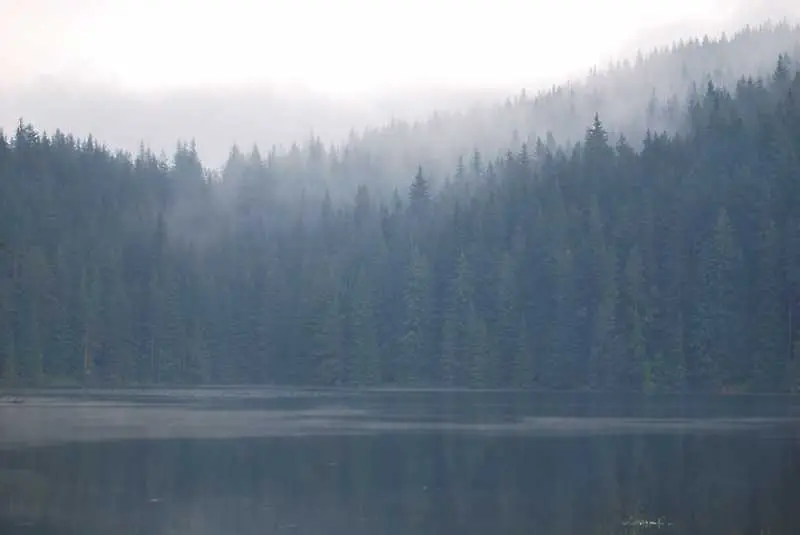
(674, 267)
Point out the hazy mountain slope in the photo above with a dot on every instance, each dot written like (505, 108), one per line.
(468, 120)
(649, 92)
(660, 80)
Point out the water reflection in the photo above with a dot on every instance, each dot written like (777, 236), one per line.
(732, 480)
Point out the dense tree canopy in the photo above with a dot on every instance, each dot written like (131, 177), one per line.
(603, 266)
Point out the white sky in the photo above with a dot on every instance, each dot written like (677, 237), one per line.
(341, 47)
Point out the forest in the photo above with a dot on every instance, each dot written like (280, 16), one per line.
(667, 263)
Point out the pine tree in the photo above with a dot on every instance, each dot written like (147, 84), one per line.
(640, 369)
(511, 363)
(717, 323)
(327, 344)
(605, 346)
(566, 325)
(770, 330)
(365, 352)
(419, 194)
(480, 364)
(456, 350)
(416, 340)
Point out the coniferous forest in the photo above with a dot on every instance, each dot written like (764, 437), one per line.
(669, 262)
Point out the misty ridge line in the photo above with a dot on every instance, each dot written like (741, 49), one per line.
(436, 140)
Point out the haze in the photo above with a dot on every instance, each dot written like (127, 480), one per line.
(94, 66)
(343, 47)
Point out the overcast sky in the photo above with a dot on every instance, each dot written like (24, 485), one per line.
(340, 47)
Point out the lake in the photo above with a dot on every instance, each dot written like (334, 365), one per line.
(237, 461)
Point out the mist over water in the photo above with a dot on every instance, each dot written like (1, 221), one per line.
(357, 462)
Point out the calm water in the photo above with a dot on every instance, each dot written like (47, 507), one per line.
(323, 462)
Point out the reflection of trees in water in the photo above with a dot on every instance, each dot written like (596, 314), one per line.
(402, 484)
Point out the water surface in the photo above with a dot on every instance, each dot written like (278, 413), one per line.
(261, 461)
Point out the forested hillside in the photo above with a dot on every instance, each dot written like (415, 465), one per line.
(648, 92)
(673, 267)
